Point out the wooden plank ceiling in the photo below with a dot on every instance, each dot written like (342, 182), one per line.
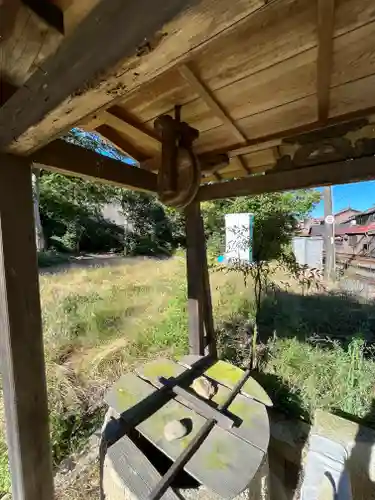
(257, 79)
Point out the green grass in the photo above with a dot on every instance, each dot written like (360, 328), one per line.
(100, 322)
(304, 377)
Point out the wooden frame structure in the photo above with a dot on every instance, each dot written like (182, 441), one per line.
(281, 92)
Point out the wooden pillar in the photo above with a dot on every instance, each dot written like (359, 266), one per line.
(21, 341)
(201, 326)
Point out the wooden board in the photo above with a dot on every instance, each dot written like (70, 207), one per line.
(260, 88)
(134, 470)
(340, 172)
(31, 43)
(201, 23)
(70, 159)
(219, 461)
(81, 59)
(21, 339)
(250, 417)
(229, 375)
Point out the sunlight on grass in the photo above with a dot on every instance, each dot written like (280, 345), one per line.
(100, 322)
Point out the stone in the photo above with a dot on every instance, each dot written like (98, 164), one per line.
(175, 429)
(203, 387)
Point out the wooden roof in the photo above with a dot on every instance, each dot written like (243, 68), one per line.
(261, 81)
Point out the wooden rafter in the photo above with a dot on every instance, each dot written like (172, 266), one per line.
(320, 175)
(239, 163)
(73, 160)
(211, 102)
(326, 19)
(134, 132)
(81, 59)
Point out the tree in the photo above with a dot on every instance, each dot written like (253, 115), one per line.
(276, 217)
(39, 234)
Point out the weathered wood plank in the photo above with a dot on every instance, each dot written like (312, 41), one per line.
(194, 288)
(199, 293)
(218, 463)
(269, 50)
(228, 375)
(250, 417)
(268, 88)
(21, 340)
(204, 20)
(320, 175)
(154, 373)
(49, 12)
(209, 327)
(347, 102)
(211, 102)
(326, 11)
(133, 133)
(69, 159)
(81, 59)
(134, 470)
(273, 34)
(8, 16)
(31, 43)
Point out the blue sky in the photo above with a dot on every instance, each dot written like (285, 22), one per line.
(360, 195)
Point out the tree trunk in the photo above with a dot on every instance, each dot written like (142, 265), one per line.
(39, 236)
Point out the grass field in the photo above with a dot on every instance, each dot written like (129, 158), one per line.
(99, 322)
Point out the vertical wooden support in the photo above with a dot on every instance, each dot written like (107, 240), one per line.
(201, 326)
(21, 341)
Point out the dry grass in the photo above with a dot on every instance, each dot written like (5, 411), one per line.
(85, 487)
(98, 322)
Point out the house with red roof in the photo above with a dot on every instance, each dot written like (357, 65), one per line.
(356, 235)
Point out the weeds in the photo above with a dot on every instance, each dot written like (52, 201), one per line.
(99, 322)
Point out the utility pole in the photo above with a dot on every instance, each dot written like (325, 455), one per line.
(329, 235)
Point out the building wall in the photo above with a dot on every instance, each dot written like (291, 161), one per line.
(345, 215)
(356, 244)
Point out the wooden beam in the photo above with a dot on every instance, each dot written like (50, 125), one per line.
(69, 159)
(326, 21)
(21, 339)
(253, 148)
(6, 91)
(209, 163)
(201, 327)
(194, 291)
(179, 39)
(135, 133)
(341, 172)
(239, 163)
(81, 60)
(211, 102)
(49, 12)
(8, 16)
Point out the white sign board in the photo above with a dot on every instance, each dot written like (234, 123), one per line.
(329, 219)
(239, 237)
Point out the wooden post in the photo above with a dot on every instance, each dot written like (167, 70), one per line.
(201, 326)
(21, 341)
